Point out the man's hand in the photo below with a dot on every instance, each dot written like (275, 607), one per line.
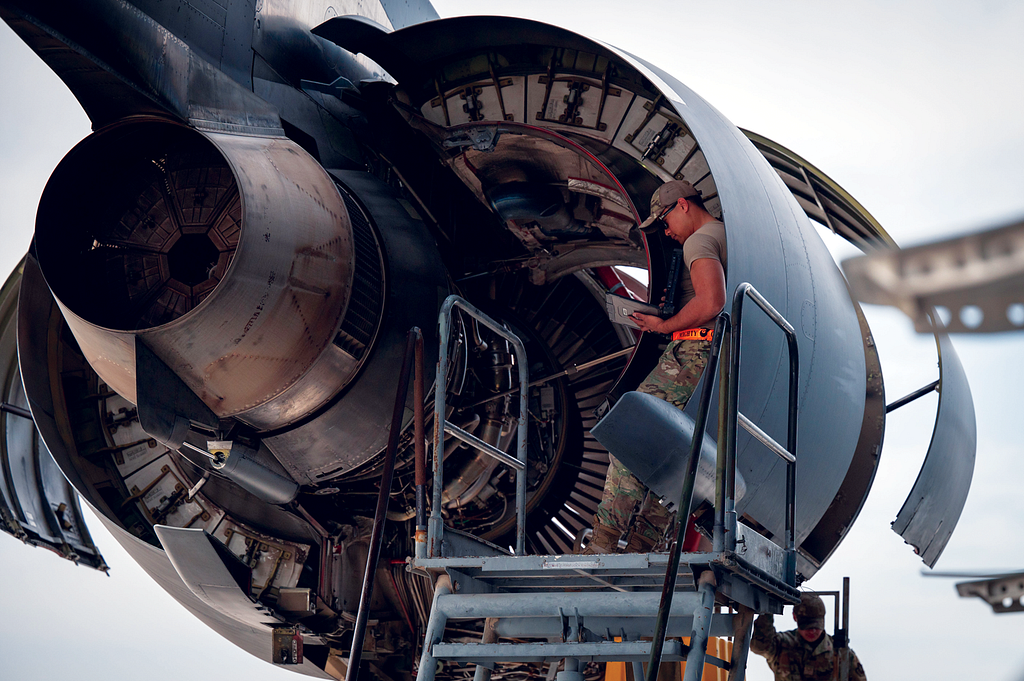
(742, 621)
(709, 298)
(648, 322)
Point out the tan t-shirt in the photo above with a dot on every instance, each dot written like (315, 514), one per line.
(706, 242)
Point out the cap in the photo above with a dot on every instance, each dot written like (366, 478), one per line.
(810, 613)
(667, 194)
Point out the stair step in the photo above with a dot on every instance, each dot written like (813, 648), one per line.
(605, 651)
(614, 572)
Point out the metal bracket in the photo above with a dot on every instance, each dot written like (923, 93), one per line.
(574, 100)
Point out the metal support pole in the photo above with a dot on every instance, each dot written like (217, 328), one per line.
(570, 671)
(791, 442)
(571, 667)
(907, 399)
(435, 526)
(725, 478)
(844, 654)
(701, 626)
(435, 631)
(483, 671)
(418, 388)
(685, 501)
(742, 630)
(18, 411)
(731, 398)
(381, 514)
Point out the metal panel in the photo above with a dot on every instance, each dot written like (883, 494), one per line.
(104, 51)
(281, 37)
(219, 30)
(203, 571)
(37, 505)
(1005, 593)
(773, 246)
(404, 13)
(255, 640)
(760, 553)
(933, 508)
(415, 286)
(652, 439)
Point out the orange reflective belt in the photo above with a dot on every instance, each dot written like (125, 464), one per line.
(694, 334)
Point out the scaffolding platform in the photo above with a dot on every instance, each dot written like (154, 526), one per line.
(610, 607)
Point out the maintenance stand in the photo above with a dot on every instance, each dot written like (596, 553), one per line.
(576, 609)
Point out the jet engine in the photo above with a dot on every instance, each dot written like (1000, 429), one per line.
(212, 317)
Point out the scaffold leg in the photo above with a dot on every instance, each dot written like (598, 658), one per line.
(570, 671)
(742, 629)
(701, 626)
(483, 671)
(435, 630)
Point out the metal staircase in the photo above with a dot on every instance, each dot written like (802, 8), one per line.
(616, 607)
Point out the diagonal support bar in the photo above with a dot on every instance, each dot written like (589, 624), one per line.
(477, 443)
(380, 517)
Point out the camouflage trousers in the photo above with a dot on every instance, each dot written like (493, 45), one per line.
(627, 503)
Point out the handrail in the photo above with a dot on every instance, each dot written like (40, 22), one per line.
(413, 355)
(725, 479)
(765, 439)
(435, 530)
(727, 515)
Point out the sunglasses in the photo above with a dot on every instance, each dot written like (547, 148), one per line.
(668, 210)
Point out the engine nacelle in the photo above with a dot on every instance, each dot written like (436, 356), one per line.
(230, 256)
(278, 293)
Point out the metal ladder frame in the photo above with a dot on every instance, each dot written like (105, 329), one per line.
(435, 528)
(725, 536)
(725, 526)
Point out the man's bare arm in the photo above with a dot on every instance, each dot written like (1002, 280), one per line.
(708, 279)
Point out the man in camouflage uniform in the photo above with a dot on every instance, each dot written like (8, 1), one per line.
(627, 505)
(807, 652)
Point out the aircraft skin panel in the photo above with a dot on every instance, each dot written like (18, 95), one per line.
(833, 374)
(104, 94)
(37, 309)
(929, 515)
(219, 31)
(403, 13)
(109, 44)
(37, 505)
(255, 640)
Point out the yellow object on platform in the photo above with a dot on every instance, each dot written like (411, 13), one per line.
(673, 671)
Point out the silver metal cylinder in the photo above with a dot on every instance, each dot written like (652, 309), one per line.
(231, 256)
(256, 479)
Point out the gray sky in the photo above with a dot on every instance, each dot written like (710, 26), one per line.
(915, 108)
